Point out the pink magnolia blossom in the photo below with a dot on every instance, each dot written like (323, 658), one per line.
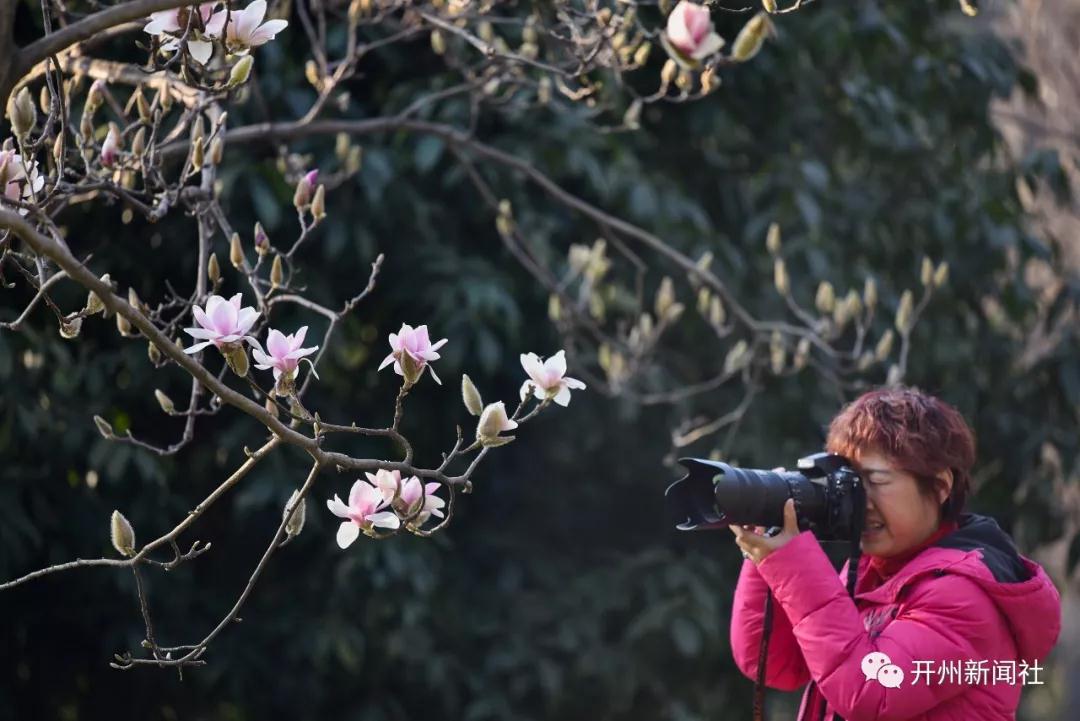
(18, 180)
(420, 351)
(247, 30)
(110, 149)
(168, 24)
(690, 31)
(548, 378)
(363, 512)
(388, 482)
(223, 323)
(283, 352)
(305, 187)
(410, 499)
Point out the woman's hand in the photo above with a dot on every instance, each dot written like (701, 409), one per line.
(756, 545)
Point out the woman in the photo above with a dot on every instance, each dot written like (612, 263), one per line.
(937, 591)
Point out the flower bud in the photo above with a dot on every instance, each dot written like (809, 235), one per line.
(554, 307)
(717, 314)
(543, 92)
(295, 524)
(750, 39)
(123, 326)
(709, 80)
(737, 357)
(870, 294)
(486, 31)
(438, 42)
(895, 376)
(197, 154)
(138, 144)
(825, 299)
(356, 156)
(667, 73)
(237, 359)
(104, 428)
(777, 353)
(941, 274)
(164, 401)
(471, 396)
(311, 73)
(142, 106)
(241, 71)
(780, 277)
(110, 149)
(769, 5)
(302, 194)
(632, 116)
(802, 354)
(22, 113)
(277, 272)
(969, 8)
(94, 96)
(854, 303)
(236, 252)
(153, 353)
(318, 204)
(165, 99)
(493, 421)
(665, 297)
(926, 273)
(122, 535)
(865, 361)
(262, 240)
(356, 10)
(213, 270)
(93, 304)
(772, 239)
(903, 312)
(884, 345)
(217, 151)
(641, 55)
(70, 327)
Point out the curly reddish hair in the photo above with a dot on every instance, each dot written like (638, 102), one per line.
(922, 434)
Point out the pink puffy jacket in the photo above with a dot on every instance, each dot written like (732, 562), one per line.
(970, 597)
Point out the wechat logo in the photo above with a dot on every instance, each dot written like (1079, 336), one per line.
(879, 666)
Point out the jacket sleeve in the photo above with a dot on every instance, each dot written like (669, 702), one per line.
(785, 668)
(944, 620)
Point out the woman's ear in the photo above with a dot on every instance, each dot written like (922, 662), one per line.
(944, 488)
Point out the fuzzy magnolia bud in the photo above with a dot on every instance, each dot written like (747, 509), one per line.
(772, 239)
(70, 327)
(777, 352)
(825, 299)
(969, 8)
(197, 153)
(769, 5)
(665, 296)
(135, 301)
(737, 357)
(780, 277)
(138, 144)
(926, 273)
(123, 326)
(318, 204)
(22, 113)
(93, 304)
(213, 270)
(471, 396)
(95, 95)
(870, 294)
(493, 421)
(543, 91)
(277, 273)
(641, 55)
(122, 535)
(632, 116)
(153, 353)
(295, 524)
(217, 151)
(667, 73)
(438, 42)
(941, 274)
(241, 71)
(262, 240)
(903, 312)
(237, 359)
(895, 375)
(141, 106)
(750, 39)
(884, 345)
(236, 252)
(717, 314)
(802, 353)
(104, 428)
(554, 307)
(164, 401)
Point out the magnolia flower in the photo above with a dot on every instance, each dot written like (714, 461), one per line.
(410, 500)
(169, 23)
(304, 189)
(363, 512)
(547, 378)
(110, 149)
(224, 323)
(412, 351)
(18, 180)
(388, 482)
(690, 31)
(494, 421)
(284, 352)
(247, 30)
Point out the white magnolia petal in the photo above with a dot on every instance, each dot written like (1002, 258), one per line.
(385, 519)
(347, 532)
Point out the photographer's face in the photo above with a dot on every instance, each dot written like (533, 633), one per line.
(898, 516)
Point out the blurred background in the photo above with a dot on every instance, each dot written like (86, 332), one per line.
(874, 133)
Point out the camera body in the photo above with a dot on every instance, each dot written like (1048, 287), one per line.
(830, 500)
